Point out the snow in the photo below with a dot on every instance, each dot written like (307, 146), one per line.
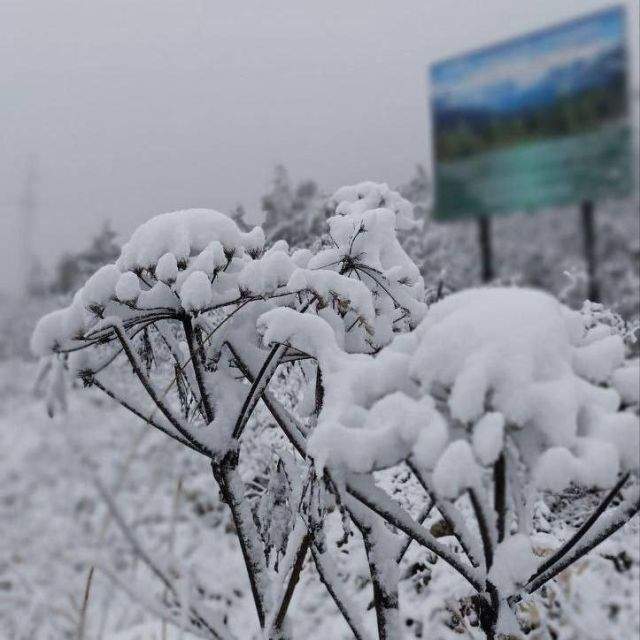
(431, 441)
(359, 198)
(195, 293)
(626, 381)
(55, 327)
(167, 268)
(367, 306)
(184, 234)
(598, 359)
(513, 563)
(364, 243)
(508, 357)
(517, 351)
(100, 287)
(469, 341)
(267, 274)
(393, 429)
(488, 437)
(307, 332)
(128, 287)
(160, 295)
(555, 469)
(363, 424)
(621, 429)
(210, 259)
(328, 284)
(456, 470)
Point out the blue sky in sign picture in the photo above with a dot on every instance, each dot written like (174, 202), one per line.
(533, 69)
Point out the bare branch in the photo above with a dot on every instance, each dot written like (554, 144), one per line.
(384, 577)
(292, 563)
(451, 516)
(138, 413)
(606, 527)
(258, 386)
(378, 501)
(584, 528)
(329, 577)
(153, 565)
(232, 489)
(126, 345)
(198, 367)
(406, 543)
(500, 495)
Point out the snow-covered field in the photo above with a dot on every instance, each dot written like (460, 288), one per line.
(110, 530)
(53, 527)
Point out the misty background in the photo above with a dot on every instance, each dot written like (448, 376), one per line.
(119, 110)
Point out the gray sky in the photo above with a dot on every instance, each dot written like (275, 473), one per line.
(136, 107)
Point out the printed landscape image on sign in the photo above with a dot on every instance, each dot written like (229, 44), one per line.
(538, 121)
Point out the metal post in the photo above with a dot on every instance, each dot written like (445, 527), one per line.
(484, 238)
(589, 235)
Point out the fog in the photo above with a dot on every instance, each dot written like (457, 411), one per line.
(131, 108)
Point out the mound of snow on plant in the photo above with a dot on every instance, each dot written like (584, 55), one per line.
(194, 261)
(485, 365)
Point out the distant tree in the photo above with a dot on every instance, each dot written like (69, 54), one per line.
(238, 216)
(36, 278)
(418, 191)
(73, 268)
(295, 214)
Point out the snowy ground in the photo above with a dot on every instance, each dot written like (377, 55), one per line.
(53, 526)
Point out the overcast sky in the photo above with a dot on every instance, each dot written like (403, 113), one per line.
(135, 107)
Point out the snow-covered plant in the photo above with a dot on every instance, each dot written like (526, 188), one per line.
(498, 394)
(486, 398)
(181, 305)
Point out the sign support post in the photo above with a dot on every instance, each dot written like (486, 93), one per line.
(587, 211)
(486, 253)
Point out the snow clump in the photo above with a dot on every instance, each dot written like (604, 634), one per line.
(493, 364)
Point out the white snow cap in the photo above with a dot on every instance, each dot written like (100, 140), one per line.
(513, 564)
(365, 196)
(456, 470)
(185, 234)
(626, 380)
(101, 286)
(167, 268)
(197, 240)
(507, 359)
(128, 287)
(488, 437)
(195, 293)
(58, 327)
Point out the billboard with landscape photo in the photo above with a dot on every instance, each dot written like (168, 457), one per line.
(538, 121)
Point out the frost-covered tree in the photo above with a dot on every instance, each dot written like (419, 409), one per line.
(419, 192)
(486, 397)
(238, 216)
(74, 268)
(543, 250)
(294, 214)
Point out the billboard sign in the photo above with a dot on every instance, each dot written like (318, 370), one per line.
(538, 121)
